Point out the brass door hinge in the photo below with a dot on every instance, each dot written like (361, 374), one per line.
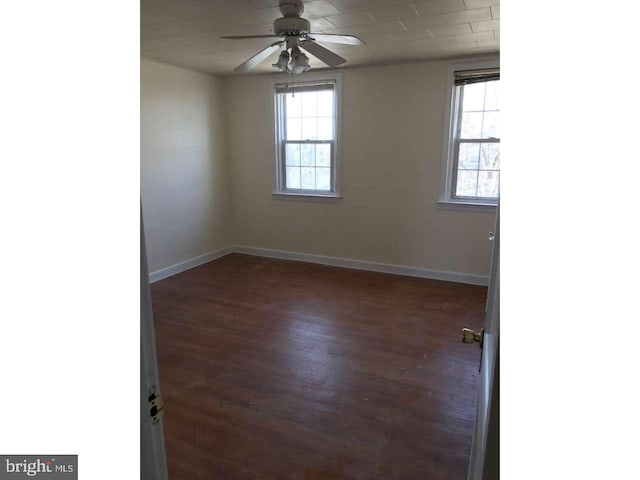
(156, 406)
(469, 336)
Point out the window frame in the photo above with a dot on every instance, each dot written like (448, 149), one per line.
(451, 143)
(279, 132)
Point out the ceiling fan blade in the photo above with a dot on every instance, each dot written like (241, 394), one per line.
(258, 58)
(327, 37)
(317, 50)
(242, 37)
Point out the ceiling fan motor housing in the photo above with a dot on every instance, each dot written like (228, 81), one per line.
(291, 26)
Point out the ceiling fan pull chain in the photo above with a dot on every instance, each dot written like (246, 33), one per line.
(286, 76)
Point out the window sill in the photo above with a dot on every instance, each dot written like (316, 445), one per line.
(313, 197)
(473, 207)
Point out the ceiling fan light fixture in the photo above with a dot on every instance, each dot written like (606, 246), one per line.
(299, 61)
(283, 61)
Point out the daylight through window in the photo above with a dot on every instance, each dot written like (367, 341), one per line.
(306, 131)
(475, 150)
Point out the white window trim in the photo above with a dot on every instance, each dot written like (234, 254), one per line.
(448, 142)
(276, 151)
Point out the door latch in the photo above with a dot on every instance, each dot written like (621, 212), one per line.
(156, 406)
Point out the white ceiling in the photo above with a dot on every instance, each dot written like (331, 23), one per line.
(187, 32)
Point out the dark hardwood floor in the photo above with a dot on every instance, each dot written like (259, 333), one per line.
(274, 369)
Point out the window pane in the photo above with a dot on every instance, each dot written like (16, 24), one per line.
(491, 101)
(473, 97)
(309, 117)
(325, 103)
(308, 178)
(323, 179)
(491, 125)
(308, 157)
(293, 177)
(309, 104)
(292, 154)
(478, 162)
(488, 183)
(325, 128)
(467, 183)
(469, 156)
(309, 129)
(471, 125)
(323, 155)
(490, 156)
(294, 129)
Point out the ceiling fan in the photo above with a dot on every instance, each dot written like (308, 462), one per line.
(295, 34)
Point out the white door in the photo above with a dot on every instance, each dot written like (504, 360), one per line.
(483, 464)
(153, 465)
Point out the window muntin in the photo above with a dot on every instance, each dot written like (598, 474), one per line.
(471, 160)
(306, 138)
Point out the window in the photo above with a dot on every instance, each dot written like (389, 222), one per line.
(306, 134)
(472, 146)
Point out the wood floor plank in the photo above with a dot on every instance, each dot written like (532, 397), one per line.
(274, 369)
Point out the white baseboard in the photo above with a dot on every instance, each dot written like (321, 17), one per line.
(188, 264)
(322, 260)
(366, 265)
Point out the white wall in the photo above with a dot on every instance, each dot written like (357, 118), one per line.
(184, 171)
(392, 127)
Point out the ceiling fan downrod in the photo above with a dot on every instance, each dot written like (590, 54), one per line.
(291, 8)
